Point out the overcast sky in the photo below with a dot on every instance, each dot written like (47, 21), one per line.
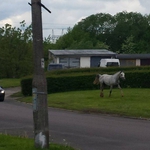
(66, 13)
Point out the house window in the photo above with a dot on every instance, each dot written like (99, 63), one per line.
(70, 62)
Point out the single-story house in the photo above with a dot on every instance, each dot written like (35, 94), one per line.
(91, 58)
(134, 59)
(79, 58)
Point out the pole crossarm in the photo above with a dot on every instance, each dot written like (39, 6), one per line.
(40, 4)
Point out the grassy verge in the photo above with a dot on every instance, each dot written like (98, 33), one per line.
(135, 103)
(18, 143)
(6, 83)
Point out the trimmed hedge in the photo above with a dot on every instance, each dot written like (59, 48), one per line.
(61, 84)
(70, 83)
(137, 79)
(26, 86)
(84, 81)
(101, 70)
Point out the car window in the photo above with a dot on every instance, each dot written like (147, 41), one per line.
(109, 64)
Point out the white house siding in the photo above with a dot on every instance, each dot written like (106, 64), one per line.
(84, 62)
(138, 62)
(57, 60)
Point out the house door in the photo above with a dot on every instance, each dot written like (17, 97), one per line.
(145, 62)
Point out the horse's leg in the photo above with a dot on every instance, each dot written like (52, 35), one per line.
(120, 90)
(110, 90)
(101, 90)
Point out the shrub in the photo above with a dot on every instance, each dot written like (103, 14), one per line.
(26, 86)
(73, 81)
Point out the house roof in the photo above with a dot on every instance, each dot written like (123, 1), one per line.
(133, 56)
(89, 52)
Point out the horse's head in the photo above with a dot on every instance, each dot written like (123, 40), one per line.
(122, 75)
(96, 81)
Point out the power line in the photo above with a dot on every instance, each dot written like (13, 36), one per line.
(61, 28)
(57, 36)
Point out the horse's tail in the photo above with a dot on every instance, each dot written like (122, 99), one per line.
(99, 76)
(97, 79)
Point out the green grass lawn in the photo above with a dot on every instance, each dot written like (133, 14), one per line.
(19, 143)
(135, 103)
(6, 83)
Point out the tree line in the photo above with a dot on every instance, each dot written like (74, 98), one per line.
(125, 32)
(122, 33)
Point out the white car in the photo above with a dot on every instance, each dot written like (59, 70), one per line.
(109, 62)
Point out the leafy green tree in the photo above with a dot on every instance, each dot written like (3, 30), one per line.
(15, 51)
(82, 36)
(101, 45)
(65, 41)
(47, 45)
(112, 32)
(128, 46)
(127, 25)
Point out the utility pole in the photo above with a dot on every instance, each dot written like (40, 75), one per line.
(39, 83)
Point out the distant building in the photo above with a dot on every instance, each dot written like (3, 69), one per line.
(134, 59)
(91, 58)
(79, 58)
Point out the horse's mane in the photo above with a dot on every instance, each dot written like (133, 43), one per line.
(118, 72)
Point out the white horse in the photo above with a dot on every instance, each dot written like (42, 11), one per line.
(109, 80)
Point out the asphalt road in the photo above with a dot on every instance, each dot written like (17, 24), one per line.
(81, 131)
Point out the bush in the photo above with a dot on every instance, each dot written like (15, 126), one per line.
(137, 79)
(26, 86)
(70, 83)
(73, 81)
(100, 70)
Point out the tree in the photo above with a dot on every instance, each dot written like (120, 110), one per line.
(15, 51)
(65, 41)
(47, 45)
(112, 32)
(127, 25)
(128, 46)
(82, 36)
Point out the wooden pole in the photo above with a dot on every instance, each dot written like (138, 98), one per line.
(39, 84)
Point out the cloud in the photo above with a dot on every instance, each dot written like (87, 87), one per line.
(9, 8)
(123, 5)
(15, 20)
(66, 13)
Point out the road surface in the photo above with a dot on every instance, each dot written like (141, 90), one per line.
(79, 130)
